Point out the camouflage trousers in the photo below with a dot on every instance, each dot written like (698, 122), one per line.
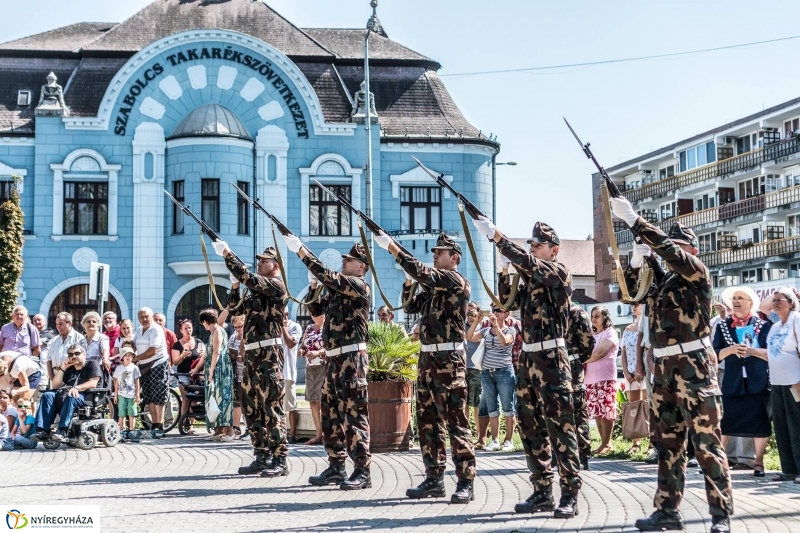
(345, 418)
(441, 406)
(545, 407)
(262, 402)
(686, 395)
(581, 410)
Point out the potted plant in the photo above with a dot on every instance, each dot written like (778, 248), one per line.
(391, 376)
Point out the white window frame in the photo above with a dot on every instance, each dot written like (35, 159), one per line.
(64, 172)
(352, 178)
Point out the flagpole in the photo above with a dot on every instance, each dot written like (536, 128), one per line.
(368, 129)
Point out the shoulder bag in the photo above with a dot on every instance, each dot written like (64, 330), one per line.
(636, 419)
(477, 355)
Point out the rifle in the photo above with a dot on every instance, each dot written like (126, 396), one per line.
(280, 225)
(371, 224)
(203, 226)
(469, 207)
(612, 187)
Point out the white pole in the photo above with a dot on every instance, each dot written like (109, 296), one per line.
(368, 129)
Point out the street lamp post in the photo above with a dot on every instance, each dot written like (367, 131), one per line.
(494, 208)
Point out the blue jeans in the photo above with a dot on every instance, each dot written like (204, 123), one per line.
(49, 407)
(24, 442)
(500, 382)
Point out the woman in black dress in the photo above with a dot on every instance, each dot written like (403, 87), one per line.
(186, 351)
(745, 389)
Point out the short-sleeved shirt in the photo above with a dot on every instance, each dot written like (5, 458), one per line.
(19, 339)
(95, 347)
(74, 377)
(604, 369)
(23, 364)
(495, 355)
(152, 338)
(290, 354)
(170, 338)
(313, 342)
(782, 349)
(127, 376)
(57, 352)
(5, 428)
(112, 334)
(185, 366)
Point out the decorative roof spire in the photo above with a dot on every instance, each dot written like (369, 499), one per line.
(374, 23)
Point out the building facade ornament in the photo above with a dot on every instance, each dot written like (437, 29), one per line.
(51, 99)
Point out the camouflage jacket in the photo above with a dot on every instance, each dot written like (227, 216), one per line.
(264, 305)
(345, 303)
(679, 305)
(442, 302)
(580, 337)
(544, 297)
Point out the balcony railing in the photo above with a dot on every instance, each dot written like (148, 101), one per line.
(714, 170)
(697, 218)
(751, 252)
(742, 207)
(783, 197)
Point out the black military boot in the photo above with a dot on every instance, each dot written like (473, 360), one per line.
(662, 519)
(359, 479)
(584, 463)
(333, 475)
(258, 465)
(540, 501)
(463, 493)
(567, 507)
(720, 524)
(277, 468)
(432, 487)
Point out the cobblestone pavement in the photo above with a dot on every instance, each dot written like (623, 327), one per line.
(186, 484)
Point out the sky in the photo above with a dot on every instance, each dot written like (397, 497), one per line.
(624, 109)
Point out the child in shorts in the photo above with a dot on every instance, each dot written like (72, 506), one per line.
(126, 388)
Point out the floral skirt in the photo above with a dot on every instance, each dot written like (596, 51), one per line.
(601, 400)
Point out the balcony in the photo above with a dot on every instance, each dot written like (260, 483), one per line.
(743, 207)
(752, 252)
(727, 166)
(697, 218)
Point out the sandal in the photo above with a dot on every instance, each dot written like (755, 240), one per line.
(314, 441)
(479, 445)
(758, 471)
(636, 448)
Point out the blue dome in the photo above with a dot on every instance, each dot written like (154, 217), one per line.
(211, 120)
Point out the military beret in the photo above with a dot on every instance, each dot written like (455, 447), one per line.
(446, 243)
(543, 233)
(357, 252)
(268, 253)
(681, 234)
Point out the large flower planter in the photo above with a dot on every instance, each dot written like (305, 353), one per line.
(390, 415)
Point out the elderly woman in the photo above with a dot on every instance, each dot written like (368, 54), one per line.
(741, 342)
(601, 377)
(95, 343)
(784, 367)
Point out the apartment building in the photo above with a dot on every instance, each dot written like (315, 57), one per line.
(737, 186)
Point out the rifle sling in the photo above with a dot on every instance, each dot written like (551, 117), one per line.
(645, 273)
(371, 265)
(515, 280)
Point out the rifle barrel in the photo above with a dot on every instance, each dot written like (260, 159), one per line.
(612, 187)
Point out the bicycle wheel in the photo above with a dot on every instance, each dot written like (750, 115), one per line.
(172, 411)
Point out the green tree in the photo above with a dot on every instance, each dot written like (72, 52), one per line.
(12, 222)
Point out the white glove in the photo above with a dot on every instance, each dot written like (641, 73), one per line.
(623, 209)
(640, 251)
(293, 242)
(219, 247)
(504, 263)
(383, 240)
(233, 279)
(311, 277)
(484, 226)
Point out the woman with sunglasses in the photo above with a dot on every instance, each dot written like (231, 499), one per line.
(784, 370)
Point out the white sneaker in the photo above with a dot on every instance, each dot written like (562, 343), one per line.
(508, 446)
(492, 446)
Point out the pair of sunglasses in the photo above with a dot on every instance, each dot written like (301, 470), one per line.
(74, 354)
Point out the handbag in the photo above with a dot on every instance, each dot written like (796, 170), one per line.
(477, 355)
(636, 419)
(212, 408)
(144, 368)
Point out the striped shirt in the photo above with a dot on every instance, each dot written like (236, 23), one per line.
(496, 355)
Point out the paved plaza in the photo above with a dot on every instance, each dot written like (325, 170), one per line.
(187, 484)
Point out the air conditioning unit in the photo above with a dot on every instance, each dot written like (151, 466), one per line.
(24, 98)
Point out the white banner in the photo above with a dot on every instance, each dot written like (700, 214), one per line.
(47, 518)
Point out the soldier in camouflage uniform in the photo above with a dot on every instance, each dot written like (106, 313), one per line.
(544, 378)
(345, 418)
(442, 367)
(685, 388)
(580, 345)
(262, 381)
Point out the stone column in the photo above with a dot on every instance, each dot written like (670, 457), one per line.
(271, 190)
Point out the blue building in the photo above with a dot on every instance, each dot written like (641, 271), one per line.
(192, 96)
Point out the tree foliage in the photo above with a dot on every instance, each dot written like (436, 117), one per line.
(392, 355)
(12, 222)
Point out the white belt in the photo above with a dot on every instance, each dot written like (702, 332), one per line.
(442, 347)
(346, 349)
(573, 357)
(263, 344)
(545, 345)
(686, 347)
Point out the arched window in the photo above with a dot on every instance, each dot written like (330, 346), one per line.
(195, 301)
(75, 301)
(320, 215)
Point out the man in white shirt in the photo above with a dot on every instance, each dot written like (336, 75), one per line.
(292, 333)
(57, 351)
(153, 362)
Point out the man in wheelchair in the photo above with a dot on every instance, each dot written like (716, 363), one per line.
(71, 384)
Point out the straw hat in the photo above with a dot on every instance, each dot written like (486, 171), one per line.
(727, 297)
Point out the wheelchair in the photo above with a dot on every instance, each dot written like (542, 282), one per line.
(90, 424)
